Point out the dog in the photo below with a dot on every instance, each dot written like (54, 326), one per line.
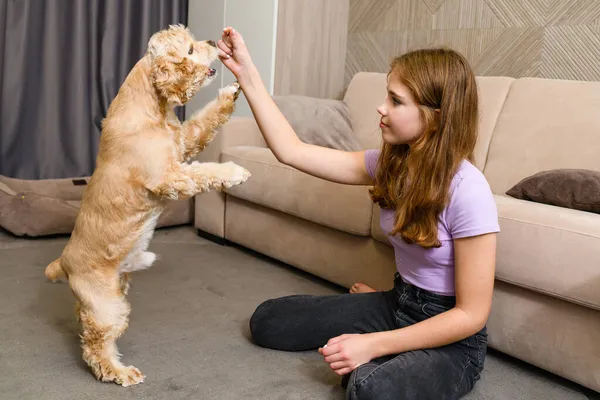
(143, 162)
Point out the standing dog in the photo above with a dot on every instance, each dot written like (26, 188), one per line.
(141, 165)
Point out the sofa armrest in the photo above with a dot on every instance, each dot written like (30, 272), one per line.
(238, 131)
(209, 208)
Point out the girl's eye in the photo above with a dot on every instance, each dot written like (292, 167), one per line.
(396, 101)
(191, 50)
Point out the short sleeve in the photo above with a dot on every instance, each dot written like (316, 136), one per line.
(472, 210)
(371, 158)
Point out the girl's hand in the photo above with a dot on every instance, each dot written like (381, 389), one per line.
(346, 352)
(235, 55)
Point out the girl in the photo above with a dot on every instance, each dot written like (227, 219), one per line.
(426, 338)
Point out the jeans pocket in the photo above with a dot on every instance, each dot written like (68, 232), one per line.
(432, 309)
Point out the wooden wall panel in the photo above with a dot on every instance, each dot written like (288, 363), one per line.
(544, 38)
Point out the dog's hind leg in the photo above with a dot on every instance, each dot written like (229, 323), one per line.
(124, 282)
(139, 261)
(103, 316)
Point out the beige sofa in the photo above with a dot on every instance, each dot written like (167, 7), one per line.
(546, 308)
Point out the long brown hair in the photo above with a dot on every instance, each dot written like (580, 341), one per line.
(416, 179)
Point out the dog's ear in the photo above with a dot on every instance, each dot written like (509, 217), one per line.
(157, 45)
(172, 79)
(170, 71)
(165, 78)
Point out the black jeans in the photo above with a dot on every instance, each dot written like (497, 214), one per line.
(303, 322)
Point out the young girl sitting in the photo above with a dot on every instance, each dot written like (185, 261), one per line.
(425, 338)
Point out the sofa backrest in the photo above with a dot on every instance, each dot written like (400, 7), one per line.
(492, 95)
(544, 124)
(367, 91)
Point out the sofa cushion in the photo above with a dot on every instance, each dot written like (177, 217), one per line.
(50, 206)
(578, 189)
(366, 91)
(492, 91)
(549, 249)
(275, 185)
(322, 122)
(545, 124)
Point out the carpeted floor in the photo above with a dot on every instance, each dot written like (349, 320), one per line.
(188, 332)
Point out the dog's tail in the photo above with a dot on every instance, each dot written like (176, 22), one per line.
(54, 271)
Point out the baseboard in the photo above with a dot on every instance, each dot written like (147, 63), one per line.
(213, 238)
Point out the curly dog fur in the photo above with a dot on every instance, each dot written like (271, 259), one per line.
(143, 162)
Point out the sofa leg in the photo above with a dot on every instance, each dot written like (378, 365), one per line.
(213, 238)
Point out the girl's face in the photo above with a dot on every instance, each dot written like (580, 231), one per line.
(400, 117)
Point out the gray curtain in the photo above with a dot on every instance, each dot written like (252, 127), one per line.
(61, 64)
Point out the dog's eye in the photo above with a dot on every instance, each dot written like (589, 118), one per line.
(191, 50)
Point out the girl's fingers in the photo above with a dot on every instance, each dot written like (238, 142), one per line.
(338, 365)
(222, 54)
(224, 48)
(334, 358)
(343, 371)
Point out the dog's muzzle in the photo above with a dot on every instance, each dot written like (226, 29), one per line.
(212, 72)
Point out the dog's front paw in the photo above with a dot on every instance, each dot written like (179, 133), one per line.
(234, 175)
(230, 93)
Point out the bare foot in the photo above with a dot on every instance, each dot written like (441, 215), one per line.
(361, 288)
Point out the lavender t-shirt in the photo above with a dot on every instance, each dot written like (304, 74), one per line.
(471, 211)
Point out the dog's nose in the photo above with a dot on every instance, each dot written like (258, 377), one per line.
(211, 43)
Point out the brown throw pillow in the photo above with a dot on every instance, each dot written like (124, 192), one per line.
(578, 189)
(322, 122)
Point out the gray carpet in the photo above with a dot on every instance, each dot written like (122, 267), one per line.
(189, 332)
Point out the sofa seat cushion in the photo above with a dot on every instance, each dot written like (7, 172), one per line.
(549, 249)
(272, 184)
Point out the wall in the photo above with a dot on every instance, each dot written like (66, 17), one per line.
(314, 47)
(311, 47)
(542, 38)
(256, 20)
(299, 46)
